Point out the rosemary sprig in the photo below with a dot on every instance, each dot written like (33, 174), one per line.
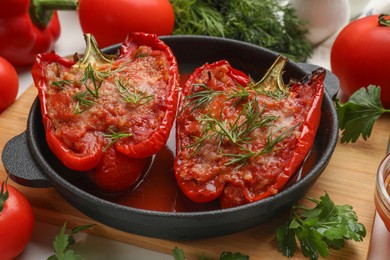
(132, 95)
(113, 137)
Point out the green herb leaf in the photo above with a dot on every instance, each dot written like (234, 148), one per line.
(358, 115)
(61, 83)
(233, 256)
(267, 23)
(178, 254)
(113, 137)
(63, 242)
(286, 239)
(130, 94)
(84, 100)
(326, 225)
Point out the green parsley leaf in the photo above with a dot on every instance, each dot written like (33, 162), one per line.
(286, 239)
(326, 225)
(358, 115)
(63, 242)
(233, 256)
(178, 254)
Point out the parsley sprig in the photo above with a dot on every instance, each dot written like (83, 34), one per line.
(178, 254)
(358, 115)
(326, 225)
(63, 242)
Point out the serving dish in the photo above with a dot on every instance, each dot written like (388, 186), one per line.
(28, 160)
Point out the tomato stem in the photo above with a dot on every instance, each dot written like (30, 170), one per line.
(384, 20)
(3, 194)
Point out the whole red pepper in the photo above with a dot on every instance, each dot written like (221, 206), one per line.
(109, 113)
(26, 31)
(239, 140)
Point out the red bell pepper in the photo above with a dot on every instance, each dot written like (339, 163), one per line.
(239, 140)
(26, 31)
(126, 102)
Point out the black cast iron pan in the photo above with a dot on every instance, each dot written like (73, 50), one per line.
(28, 160)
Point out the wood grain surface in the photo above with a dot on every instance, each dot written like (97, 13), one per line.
(348, 179)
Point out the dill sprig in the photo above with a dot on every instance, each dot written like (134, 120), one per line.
(238, 132)
(200, 99)
(113, 137)
(84, 101)
(61, 83)
(140, 54)
(130, 94)
(272, 140)
(198, 18)
(94, 76)
(240, 93)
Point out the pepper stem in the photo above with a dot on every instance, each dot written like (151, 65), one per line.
(41, 11)
(384, 20)
(92, 55)
(274, 74)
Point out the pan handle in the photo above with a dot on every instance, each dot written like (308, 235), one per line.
(20, 166)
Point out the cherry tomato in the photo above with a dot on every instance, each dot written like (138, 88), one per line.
(360, 56)
(9, 84)
(16, 222)
(110, 21)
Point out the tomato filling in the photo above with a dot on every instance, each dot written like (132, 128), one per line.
(235, 141)
(130, 99)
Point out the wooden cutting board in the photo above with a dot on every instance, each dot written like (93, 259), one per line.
(348, 179)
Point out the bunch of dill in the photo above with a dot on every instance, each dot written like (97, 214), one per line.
(272, 24)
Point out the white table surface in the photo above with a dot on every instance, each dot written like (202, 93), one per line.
(40, 246)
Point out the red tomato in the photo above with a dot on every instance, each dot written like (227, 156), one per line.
(16, 223)
(110, 21)
(360, 56)
(9, 84)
